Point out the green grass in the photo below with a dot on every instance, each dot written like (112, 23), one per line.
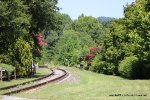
(92, 86)
(39, 73)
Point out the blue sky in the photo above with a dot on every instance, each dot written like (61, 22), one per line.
(96, 8)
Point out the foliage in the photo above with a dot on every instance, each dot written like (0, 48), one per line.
(67, 48)
(89, 25)
(42, 14)
(40, 39)
(21, 56)
(102, 66)
(137, 21)
(97, 65)
(128, 36)
(4, 59)
(39, 42)
(88, 57)
(71, 46)
(24, 19)
(14, 22)
(8, 68)
(129, 67)
(52, 36)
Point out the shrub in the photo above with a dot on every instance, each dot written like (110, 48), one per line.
(110, 69)
(8, 68)
(98, 67)
(4, 58)
(70, 47)
(102, 66)
(129, 67)
(95, 64)
(21, 57)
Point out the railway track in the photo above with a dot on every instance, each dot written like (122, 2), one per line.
(56, 75)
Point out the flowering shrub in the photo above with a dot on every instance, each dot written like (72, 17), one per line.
(92, 49)
(89, 63)
(89, 56)
(39, 43)
(95, 50)
(40, 39)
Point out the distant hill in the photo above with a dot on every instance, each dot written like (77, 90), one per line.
(103, 19)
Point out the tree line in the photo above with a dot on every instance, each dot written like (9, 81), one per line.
(36, 30)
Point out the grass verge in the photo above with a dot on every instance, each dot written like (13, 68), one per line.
(92, 86)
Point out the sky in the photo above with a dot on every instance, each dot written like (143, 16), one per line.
(95, 8)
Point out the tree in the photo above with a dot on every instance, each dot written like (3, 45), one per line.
(14, 22)
(42, 14)
(129, 36)
(52, 36)
(138, 24)
(22, 20)
(71, 46)
(89, 25)
(21, 56)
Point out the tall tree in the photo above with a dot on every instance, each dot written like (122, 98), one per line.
(89, 25)
(129, 36)
(42, 14)
(14, 22)
(20, 23)
(138, 24)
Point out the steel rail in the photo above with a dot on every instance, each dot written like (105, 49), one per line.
(65, 74)
(24, 83)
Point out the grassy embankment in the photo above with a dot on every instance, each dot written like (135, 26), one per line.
(92, 86)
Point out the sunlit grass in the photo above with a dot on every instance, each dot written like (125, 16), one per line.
(92, 86)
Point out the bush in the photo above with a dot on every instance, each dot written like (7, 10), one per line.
(110, 69)
(70, 47)
(4, 58)
(97, 64)
(8, 68)
(21, 57)
(129, 67)
(100, 66)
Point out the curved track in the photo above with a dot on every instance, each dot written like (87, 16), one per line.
(56, 75)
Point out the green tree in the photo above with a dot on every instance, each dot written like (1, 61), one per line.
(14, 22)
(137, 21)
(21, 56)
(21, 20)
(42, 14)
(52, 36)
(129, 36)
(89, 25)
(71, 46)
